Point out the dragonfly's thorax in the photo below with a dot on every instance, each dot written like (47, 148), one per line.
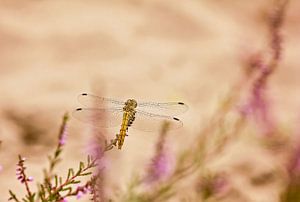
(129, 111)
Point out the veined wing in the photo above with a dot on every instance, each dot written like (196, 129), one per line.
(153, 122)
(109, 117)
(94, 101)
(164, 108)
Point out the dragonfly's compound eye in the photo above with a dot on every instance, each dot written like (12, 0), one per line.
(134, 103)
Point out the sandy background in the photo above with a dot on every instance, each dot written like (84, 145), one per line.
(158, 50)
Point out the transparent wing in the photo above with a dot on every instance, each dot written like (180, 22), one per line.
(94, 101)
(109, 117)
(166, 108)
(153, 122)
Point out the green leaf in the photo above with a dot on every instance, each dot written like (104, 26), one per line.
(56, 180)
(87, 173)
(69, 173)
(81, 165)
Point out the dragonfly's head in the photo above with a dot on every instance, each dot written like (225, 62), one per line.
(131, 103)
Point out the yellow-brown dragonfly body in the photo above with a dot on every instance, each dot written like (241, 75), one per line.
(128, 118)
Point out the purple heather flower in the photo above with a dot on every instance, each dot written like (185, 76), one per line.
(258, 107)
(63, 136)
(20, 171)
(253, 61)
(30, 179)
(81, 190)
(63, 131)
(160, 166)
(161, 163)
(258, 104)
(20, 175)
(294, 163)
(95, 149)
(79, 195)
(221, 185)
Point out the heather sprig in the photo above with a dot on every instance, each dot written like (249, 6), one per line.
(61, 189)
(22, 177)
(97, 150)
(159, 167)
(258, 104)
(55, 159)
(54, 187)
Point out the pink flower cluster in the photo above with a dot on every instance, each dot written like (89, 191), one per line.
(159, 168)
(63, 136)
(294, 163)
(20, 172)
(82, 190)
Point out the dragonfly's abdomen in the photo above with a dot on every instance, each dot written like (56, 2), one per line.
(128, 118)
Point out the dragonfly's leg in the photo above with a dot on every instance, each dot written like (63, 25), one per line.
(115, 141)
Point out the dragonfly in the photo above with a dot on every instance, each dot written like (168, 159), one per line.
(144, 116)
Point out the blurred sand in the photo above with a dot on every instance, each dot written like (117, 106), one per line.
(51, 51)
